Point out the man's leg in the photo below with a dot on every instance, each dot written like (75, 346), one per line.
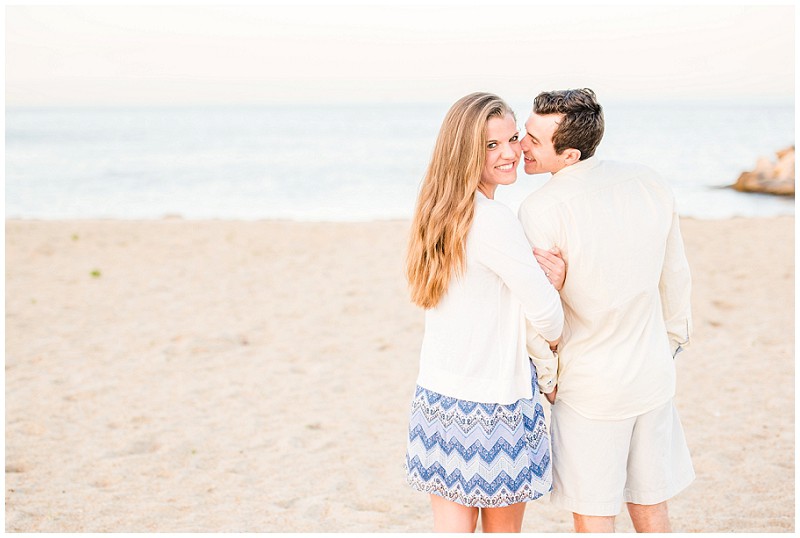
(659, 467)
(593, 523)
(650, 517)
(589, 467)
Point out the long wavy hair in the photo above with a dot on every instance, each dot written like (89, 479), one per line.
(446, 202)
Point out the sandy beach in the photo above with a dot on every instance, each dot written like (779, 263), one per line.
(226, 376)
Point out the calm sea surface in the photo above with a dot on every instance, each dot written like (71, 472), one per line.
(337, 162)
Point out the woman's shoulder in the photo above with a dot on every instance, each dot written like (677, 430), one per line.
(492, 206)
(493, 210)
(494, 217)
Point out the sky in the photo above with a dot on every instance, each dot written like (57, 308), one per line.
(271, 54)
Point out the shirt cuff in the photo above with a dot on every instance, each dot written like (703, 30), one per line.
(678, 347)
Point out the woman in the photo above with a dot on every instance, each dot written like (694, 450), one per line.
(477, 435)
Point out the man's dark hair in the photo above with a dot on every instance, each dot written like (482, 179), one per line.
(582, 126)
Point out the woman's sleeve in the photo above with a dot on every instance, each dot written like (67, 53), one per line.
(508, 254)
(543, 358)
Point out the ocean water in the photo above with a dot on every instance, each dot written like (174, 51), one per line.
(340, 163)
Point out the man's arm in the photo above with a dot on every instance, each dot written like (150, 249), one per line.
(675, 288)
(546, 362)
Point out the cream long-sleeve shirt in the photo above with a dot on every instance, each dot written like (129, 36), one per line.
(474, 346)
(627, 293)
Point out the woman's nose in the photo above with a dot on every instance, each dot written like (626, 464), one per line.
(511, 150)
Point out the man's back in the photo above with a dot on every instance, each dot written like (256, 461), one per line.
(616, 226)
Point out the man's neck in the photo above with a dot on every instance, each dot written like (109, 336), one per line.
(580, 164)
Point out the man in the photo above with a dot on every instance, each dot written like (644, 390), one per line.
(615, 430)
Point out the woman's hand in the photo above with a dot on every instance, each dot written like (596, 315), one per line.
(553, 265)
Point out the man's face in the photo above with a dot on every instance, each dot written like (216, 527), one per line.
(537, 144)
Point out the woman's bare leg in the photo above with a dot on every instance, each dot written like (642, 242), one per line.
(505, 519)
(452, 517)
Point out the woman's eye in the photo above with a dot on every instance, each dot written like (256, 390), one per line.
(515, 138)
(491, 145)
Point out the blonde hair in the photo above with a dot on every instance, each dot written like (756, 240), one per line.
(446, 202)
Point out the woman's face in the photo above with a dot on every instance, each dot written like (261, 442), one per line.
(502, 154)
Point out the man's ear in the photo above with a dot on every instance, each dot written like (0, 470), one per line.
(571, 156)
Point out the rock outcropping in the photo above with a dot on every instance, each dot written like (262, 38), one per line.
(769, 177)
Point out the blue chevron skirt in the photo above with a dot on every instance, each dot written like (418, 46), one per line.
(476, 454)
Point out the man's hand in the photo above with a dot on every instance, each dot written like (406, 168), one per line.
(552, 396)
(553, 265)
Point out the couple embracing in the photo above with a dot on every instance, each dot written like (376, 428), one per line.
(591, 317)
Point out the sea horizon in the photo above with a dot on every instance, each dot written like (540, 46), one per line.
(342, 162)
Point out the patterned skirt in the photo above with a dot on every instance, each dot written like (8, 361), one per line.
(477, 454)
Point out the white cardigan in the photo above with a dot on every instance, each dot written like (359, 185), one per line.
(474, 346)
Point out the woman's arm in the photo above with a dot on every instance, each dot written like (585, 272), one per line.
(506, 252)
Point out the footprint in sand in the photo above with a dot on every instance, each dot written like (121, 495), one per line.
(17, 467)
(287, 504)
(106, 482)
(142, 447)
(137, 448)
(723, 305)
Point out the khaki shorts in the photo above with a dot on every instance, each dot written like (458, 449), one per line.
(598, 464)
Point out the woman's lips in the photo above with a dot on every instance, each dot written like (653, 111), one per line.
(506, 167)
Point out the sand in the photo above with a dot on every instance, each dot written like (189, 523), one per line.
(255, 376)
